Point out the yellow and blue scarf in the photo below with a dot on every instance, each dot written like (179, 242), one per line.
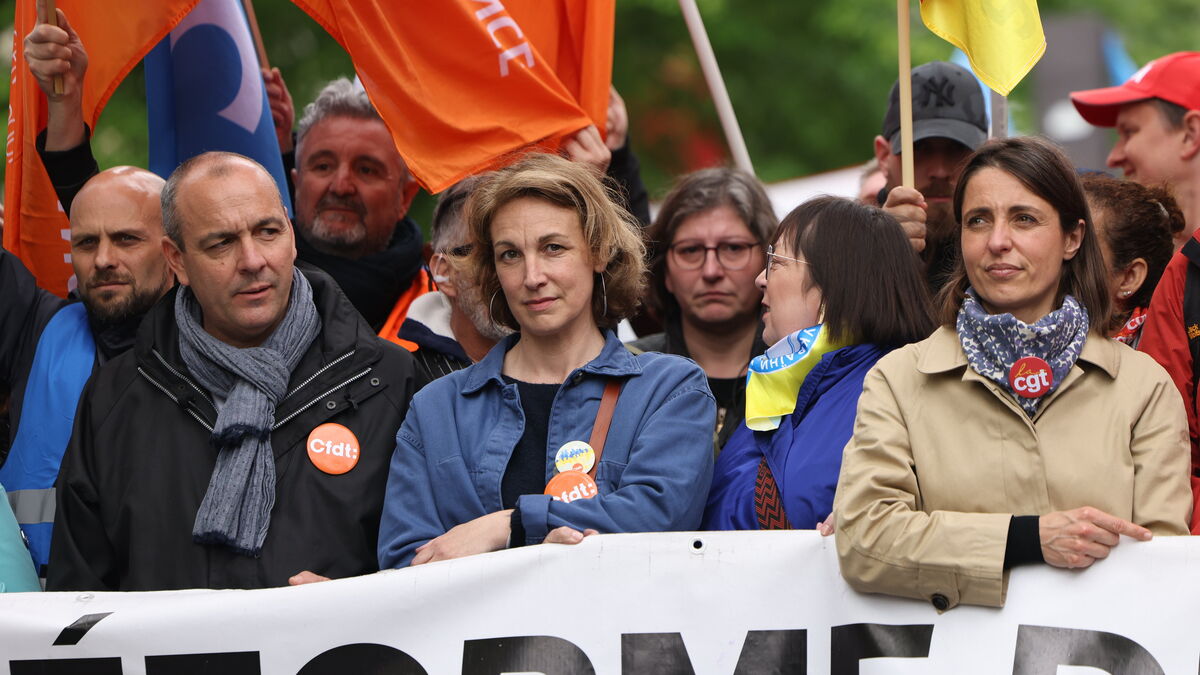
(774, 379)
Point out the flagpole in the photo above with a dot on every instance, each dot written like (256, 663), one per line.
(50, 16)
(905, 80)
(248, 5)
(999, 115)
(716, 85)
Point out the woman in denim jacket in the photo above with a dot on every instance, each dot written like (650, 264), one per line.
(561, 264)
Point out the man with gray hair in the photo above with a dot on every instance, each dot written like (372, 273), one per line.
(451, 327)
(244, 441)
(352, 192)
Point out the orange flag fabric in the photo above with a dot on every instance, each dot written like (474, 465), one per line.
(116, 36)
(462, 84)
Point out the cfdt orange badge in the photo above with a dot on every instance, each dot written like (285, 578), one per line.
(571, 485)
(333, 448)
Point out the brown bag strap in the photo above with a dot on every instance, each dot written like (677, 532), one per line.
(608, 403)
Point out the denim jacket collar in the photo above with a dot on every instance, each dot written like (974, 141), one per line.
(614, 360)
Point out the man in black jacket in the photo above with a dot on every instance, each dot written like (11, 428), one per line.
(49, 346)
(246, 437)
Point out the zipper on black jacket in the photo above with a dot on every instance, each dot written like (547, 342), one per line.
(290, 417)
(313, 402)
(174, 398)
(298, 387)
(191, 411)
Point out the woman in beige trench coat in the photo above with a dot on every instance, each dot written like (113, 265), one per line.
(1016, 433)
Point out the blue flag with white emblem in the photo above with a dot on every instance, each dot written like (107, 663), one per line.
(204, 91)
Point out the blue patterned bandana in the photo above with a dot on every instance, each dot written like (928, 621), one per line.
(994, 342)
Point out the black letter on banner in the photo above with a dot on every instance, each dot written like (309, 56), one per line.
(105, 666)
(765, 652)
(225, 663)
(362, 658)
(653, 653)
(531, 654)
(1042, 649)
(71, 635)
(774, 652)
(856, 641)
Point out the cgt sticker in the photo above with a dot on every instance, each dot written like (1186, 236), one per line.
(1031, 377)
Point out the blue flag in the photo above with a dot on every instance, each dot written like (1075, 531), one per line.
(204, 91)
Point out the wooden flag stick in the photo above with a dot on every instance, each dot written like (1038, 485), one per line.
(50, 15)
(258, 41)
(999, 115)
(905, 79)
(716, 85)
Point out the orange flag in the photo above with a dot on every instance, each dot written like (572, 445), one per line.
(463, 83)
(116, 36)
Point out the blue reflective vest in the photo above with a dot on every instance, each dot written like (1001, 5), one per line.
(62, 364)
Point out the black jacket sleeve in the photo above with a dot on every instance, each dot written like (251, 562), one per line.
(625, 170)
(69, 169)
(81, 556)
(25, 310)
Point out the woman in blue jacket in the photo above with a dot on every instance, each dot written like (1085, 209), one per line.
(841, 289)
(516, 450)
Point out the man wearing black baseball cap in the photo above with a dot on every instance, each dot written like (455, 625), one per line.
(949, 123)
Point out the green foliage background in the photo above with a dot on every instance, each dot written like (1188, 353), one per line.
(808, 79)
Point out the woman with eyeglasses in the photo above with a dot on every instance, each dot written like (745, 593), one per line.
(708, 242)
(841, 289)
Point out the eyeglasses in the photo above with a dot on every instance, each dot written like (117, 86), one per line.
(772, 255)
(732, 255)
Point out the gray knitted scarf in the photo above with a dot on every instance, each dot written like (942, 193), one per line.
(247, 384)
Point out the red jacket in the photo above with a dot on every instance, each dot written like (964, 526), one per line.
(1165, 337)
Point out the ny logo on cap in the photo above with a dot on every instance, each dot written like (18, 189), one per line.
(939, 88)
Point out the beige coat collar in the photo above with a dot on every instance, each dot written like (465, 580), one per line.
(944, 353)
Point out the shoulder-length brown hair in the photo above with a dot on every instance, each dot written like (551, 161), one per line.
(612, 234)
(1045, 171)
(871, 285)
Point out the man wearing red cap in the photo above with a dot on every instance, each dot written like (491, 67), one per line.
(1157, 116)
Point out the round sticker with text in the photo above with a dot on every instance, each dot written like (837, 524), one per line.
(333, 448)
(571, 485)
(1031, 377)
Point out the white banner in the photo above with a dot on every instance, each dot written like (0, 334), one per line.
(709, 603)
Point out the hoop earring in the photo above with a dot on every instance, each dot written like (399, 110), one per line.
(492, 312)
(604, 295)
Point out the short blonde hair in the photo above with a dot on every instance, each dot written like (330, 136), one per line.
(611, 232)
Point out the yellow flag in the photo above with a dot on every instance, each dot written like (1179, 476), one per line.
(1002, 38)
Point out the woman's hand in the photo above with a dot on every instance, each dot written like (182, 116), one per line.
(306, 577)
(567, 535)
(1080, 537)
(828, 526)
(484, 534)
